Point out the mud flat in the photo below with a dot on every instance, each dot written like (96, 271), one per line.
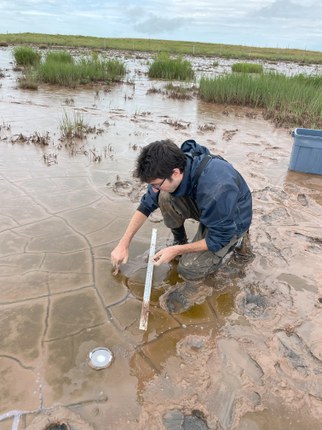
(247, 355)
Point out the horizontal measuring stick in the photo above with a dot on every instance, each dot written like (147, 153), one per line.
(148, 283)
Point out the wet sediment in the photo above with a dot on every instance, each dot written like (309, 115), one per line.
(247, 354)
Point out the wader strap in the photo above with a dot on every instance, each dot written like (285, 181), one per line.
(201, 166)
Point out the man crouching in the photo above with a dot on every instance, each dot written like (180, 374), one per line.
(189, 182)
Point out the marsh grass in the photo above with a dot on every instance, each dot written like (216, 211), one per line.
(61, 69)
(55, 73)
(167, 68)
(288, 101)
(74, 127)
(26, 56)
(59, 57)
(247, 68)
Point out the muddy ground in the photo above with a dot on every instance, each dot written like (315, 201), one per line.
(247, 356)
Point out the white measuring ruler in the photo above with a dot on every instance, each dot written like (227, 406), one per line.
(148, 283)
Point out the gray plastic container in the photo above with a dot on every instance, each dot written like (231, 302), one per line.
(306, 153)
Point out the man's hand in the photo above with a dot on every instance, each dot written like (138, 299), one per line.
(119, 255)
(165, 255)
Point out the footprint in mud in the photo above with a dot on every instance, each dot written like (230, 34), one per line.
(275, 215)
(134, 190)
(60, 418)
(122, 188)
(58, 427)
(176, 302)
(176, 420)
(229, 134)
(254, 305)
(261, 302)
(297, 354)
(183, 296)
(302, 199)
(271, 194)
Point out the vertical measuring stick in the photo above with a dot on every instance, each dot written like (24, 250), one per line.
(148, 283)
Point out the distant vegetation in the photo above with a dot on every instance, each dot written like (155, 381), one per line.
(247, 68)
(171, 69)
(169, 46)
(286, 100)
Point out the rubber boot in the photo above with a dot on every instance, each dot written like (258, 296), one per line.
(179, 236)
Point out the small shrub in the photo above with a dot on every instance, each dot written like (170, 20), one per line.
(247, 68)
(26, 56)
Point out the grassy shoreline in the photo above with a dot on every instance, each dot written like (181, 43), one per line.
(287, 101)
(169, 46)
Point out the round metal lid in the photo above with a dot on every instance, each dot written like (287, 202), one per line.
(100, 358)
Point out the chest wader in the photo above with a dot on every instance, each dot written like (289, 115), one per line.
(175, 210)
(179, 233)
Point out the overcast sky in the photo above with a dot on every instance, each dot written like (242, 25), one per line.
(265, 23)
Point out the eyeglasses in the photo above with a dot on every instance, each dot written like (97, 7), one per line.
(158, 186)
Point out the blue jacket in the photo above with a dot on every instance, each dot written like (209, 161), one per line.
(222, 196)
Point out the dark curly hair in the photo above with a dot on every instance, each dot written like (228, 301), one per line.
(158, 159)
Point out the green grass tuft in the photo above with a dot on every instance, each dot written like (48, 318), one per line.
(171, 69)
(59, 57)
(73, 127)
(69, 73)
(26, 56)
(247, 68)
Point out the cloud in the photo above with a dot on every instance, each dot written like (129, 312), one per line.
(277, 23)
(288, 10)
(157, 25)
(37, 13)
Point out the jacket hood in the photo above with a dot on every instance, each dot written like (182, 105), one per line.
(191, 147)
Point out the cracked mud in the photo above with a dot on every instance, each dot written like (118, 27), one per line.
(246, 355)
